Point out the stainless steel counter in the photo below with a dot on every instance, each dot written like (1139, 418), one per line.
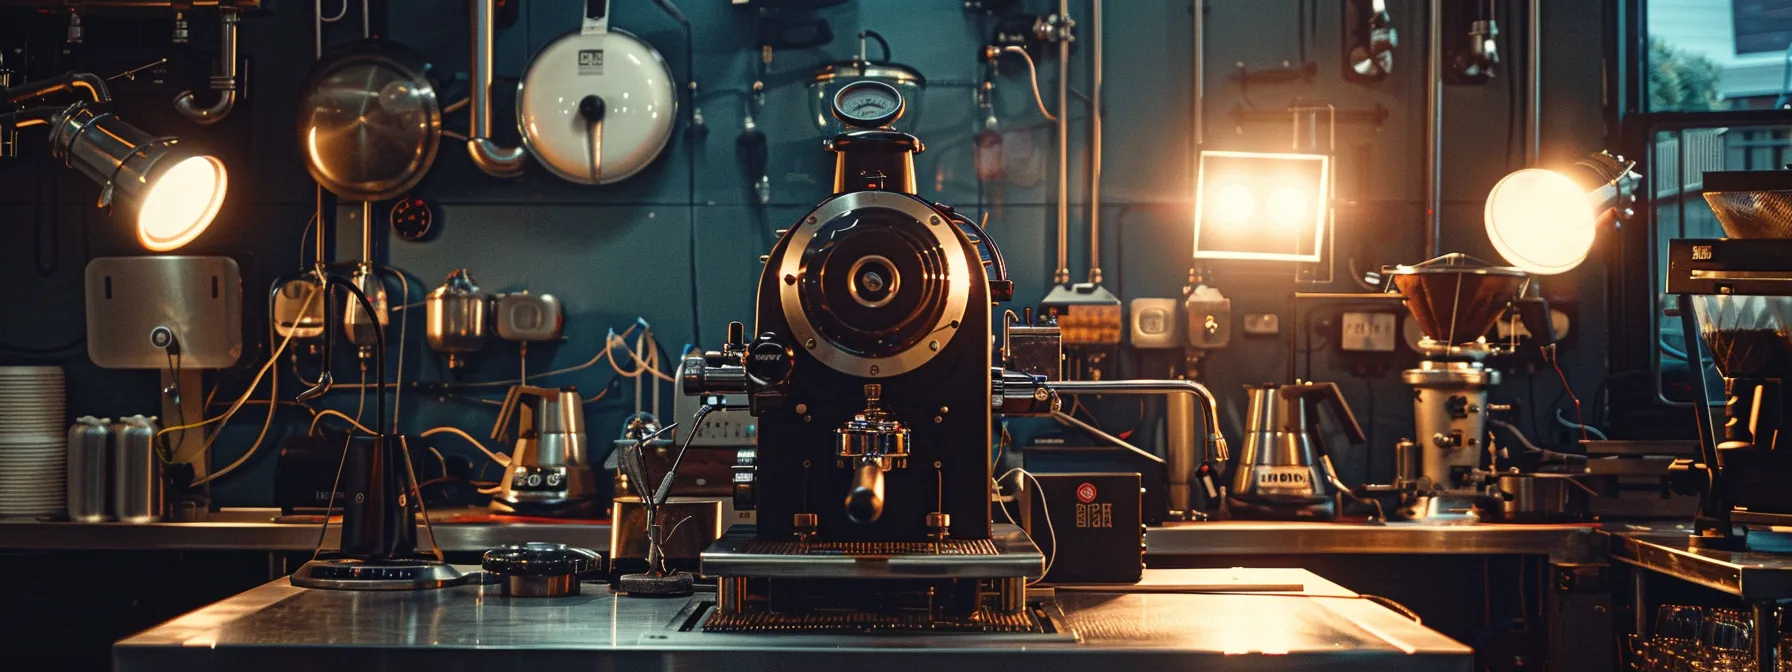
(1752, 576)
(255, 532)
(1562, 543)
(277, 626)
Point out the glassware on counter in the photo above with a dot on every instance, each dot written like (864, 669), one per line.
(1690, 638)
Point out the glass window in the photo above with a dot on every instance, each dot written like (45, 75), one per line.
(1716, 55)
(1674, 170)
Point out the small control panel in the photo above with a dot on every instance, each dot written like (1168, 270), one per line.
(367, 573)
(537, 479)
(727, 427)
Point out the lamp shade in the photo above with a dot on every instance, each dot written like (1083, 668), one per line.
(1540, 221)
(173, 195)
(1545, 221)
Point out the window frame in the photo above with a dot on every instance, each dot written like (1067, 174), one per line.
(1633, 319)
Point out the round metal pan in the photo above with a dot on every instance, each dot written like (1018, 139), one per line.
(369, 123)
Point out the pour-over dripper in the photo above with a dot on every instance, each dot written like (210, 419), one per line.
(1751, 203)
(1457, 298)
(1746, 335)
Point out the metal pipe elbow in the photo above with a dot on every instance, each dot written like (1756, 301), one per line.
(224, 82)
(186, 105)
(1217, 450)
(497, 160)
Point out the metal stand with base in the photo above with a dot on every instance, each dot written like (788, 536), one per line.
(379, 523)
(656, 581)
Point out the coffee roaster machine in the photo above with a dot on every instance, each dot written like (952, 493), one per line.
(872, 379)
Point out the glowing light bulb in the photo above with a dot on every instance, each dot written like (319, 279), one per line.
(1540, 221)
(181, 203)
(1233, 204)
(1288, 206)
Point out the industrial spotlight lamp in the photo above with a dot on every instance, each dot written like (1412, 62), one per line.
(1544, 221)
(174, 194)
(1262, 206)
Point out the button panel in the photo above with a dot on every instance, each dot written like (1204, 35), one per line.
(537, 479)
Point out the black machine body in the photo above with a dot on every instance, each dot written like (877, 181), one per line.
(869, 368)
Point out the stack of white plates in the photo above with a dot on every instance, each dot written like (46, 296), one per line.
(33, 441)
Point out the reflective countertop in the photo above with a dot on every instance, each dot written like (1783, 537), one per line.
(277, 626)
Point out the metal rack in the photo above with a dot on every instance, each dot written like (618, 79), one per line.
(1762, 580)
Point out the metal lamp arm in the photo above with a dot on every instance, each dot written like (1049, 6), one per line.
(31, 116)
(84, 82)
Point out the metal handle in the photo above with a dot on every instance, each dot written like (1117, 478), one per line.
(865, 501)
(1328, 394)
(501, 429)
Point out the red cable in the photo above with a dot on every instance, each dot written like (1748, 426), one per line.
(1550, 354)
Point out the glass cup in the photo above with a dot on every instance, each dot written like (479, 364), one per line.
(1680, 622)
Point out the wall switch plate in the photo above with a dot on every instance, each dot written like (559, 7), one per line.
(1156, 323)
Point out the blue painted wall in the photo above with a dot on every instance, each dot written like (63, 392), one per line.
(617, 252)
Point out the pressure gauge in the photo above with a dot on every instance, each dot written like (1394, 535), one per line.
(868, 104)
(412, 219)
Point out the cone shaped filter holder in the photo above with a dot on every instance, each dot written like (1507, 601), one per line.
(1751, 203)
(1457, 298)
(1746, 334)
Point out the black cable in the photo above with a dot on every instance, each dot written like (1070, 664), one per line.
(881, 42)
(180, 411)
(379, 345)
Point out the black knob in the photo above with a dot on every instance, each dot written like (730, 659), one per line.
(737, 334)
(592, 108)
(865, 501)
(769, 361)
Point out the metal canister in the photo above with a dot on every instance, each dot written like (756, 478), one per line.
(136, 471)
(89, 451)
(455, 324)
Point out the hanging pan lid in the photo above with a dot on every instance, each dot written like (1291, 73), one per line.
(598, 105)
(369, 122)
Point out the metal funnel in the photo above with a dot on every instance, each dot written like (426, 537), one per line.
(1457, 298)
(1751, 203)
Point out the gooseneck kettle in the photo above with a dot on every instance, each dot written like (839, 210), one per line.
(1283, 473)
